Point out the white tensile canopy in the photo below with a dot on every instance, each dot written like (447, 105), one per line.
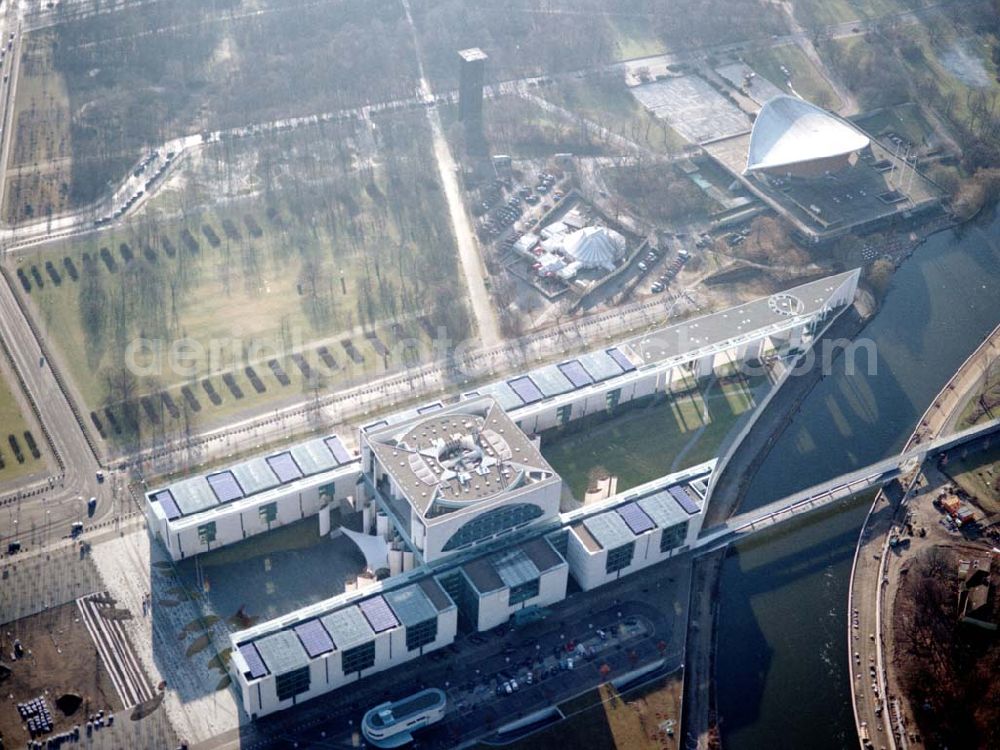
(792, 131)
(595, 247)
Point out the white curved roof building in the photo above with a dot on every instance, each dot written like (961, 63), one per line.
(595, 247)
(792, 136)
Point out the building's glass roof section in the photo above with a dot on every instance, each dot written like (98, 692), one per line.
(193, 495)
(315, 639)
(255, 476)
(503, 394)
(600, 365)
(340, 454)
(284, 467)
(663, 509)
(514, 567)
(609, 530)
(526, 389)
(225, 486)
(166, 500)
(575, 373)
(635, 518)
(348, 628)
(313, 457)
(411, 605)
(282, 652)
(255, 666)
(684, 499)
(378, 614)
(551, 381)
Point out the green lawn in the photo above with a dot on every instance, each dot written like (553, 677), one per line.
(979, 475)
(806, 80)
(339, 240)
(12, 422)
(904, 119)
(642, 444)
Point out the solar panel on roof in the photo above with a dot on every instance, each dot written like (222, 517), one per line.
(225, 486)
(525, 388)
(193, 495)
(315, 639)
(378, 614)
(284, 467)
(635, 518)
(255, 665)
(338, 450)
(578, 376)
(683, 499)
(166, 501)
(621, 359)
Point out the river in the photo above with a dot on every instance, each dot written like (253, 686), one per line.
(781, 673)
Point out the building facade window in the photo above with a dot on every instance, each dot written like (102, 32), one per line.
(421, 634)
(293, 683)
(492, 524)
(206, 532)
(358, 658)
(523, 591)
(620, 557)
(673, 536)
(564, 414)
(268, 513)
(612, 398)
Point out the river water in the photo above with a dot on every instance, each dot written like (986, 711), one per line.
(782, 675)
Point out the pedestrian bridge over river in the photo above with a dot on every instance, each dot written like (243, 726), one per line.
(979, 437)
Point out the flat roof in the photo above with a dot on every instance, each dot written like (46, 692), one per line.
(514, 567)
(600, 365)
(609, 529)
(663, 509)
(551, 381)
(457, 457)
(411, 605)
(251, 477)
(193, 495)
(437, 595)
(255, 475)
(723, 326)
(282, 652)
(482, 575)
(542, 554)
(313, 457)
(348, 627)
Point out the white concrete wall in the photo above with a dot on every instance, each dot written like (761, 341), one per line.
(495, 609)
(241, 519)
(390, 650)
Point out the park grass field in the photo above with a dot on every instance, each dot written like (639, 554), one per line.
(643, 443)
(345, 245)
(806, 80)
(38, 171)
(905, 119)
(13, 422)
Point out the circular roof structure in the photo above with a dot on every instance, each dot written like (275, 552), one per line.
(595, 247)
(784, 303)
(790, 131)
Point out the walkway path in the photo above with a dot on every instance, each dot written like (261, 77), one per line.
(468, 248)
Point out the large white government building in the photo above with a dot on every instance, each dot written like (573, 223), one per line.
(458, 504)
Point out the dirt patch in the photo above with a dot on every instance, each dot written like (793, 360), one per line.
(63, 661)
